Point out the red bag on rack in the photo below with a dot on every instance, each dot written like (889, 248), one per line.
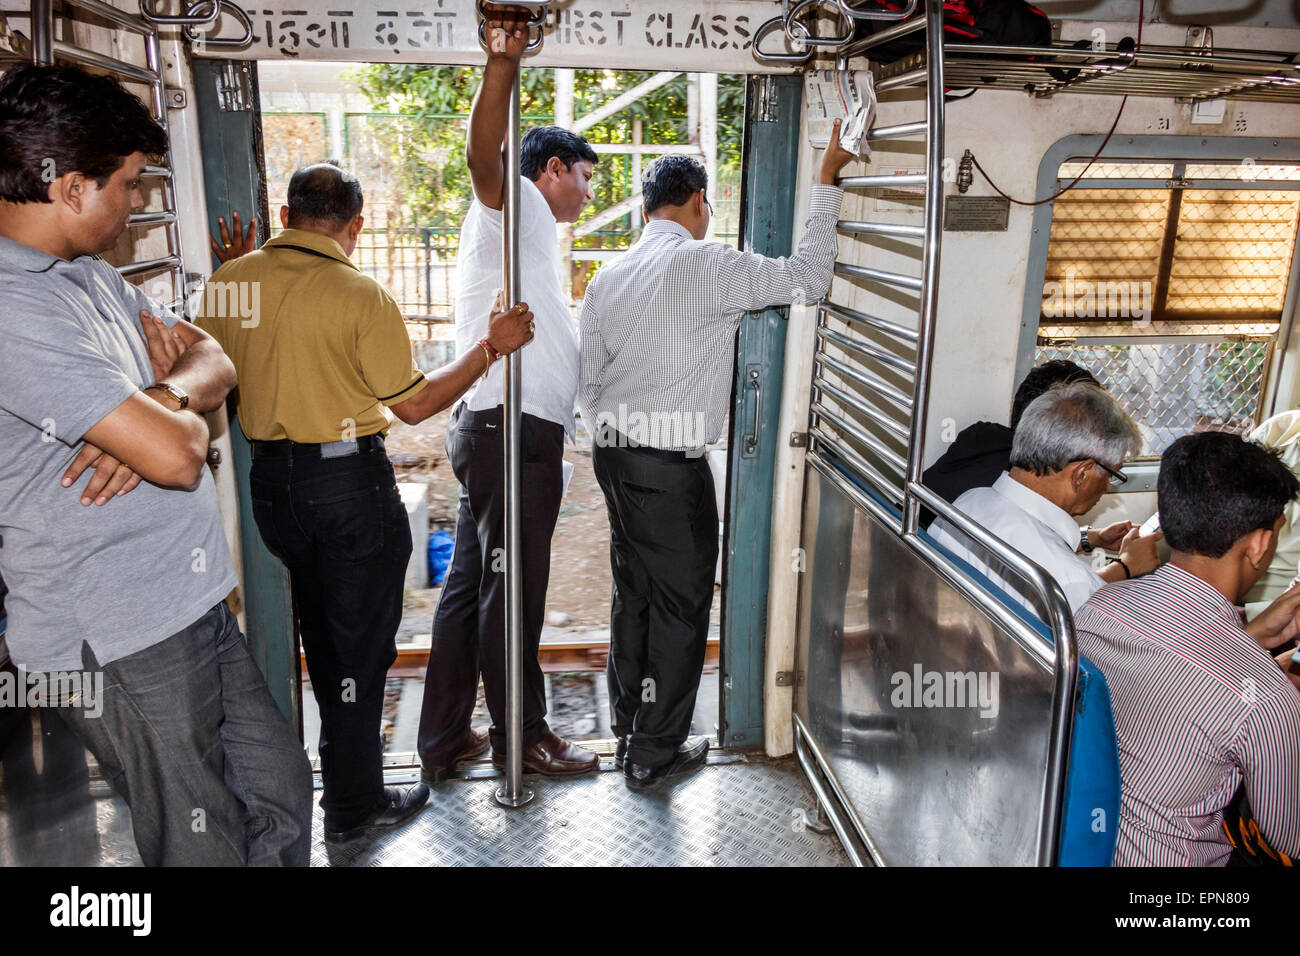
(1008, 22)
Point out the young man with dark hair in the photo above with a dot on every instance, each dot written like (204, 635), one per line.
(1200, 706)
(322, 362)
(658, 355)
(134, 591)
(469, 623)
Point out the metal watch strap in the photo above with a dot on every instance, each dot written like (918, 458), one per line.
(175, 393)
(1085, 545)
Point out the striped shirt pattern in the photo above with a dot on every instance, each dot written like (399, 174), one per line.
(658, 326)
(1199, 707)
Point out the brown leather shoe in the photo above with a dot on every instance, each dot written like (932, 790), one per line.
(475, 745)
(553, 756)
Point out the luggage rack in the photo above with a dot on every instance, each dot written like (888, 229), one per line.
(1154, 71)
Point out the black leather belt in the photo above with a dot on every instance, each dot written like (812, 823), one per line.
(612, 438)
(334, 449)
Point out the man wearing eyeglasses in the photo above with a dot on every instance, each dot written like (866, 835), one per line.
(1066, 454)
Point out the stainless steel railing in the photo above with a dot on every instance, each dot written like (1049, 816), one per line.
(871, 401)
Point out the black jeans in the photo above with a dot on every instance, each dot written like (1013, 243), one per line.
(340, 527)
(663, 551)
(191, 738)
(469, 624)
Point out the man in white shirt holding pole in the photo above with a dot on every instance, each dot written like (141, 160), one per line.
(469, 623)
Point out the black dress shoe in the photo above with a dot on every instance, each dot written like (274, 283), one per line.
(690, 757)
(620, 753)
(401, 806)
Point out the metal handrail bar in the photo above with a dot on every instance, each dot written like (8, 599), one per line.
(895, 229)
(890, 457)
(860, 405)
(848, 455)
(896, 131)
(884, 325)
(869, 350)
(149, 265)
(884, 36)
(814, 766)
(866, 380)
(1065, 661)
(912, 283)
(113, 65)
(883, 181)
(901, 80)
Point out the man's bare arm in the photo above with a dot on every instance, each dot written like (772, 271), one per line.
(165, 447)
(488, 116)
(507, 331)
(202, 371)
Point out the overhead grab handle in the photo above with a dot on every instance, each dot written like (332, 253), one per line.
(801, 33)
(189, 18)
(202, 41)
(772, 26)
(536, 22)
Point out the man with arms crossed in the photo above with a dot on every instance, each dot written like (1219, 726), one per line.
(188, 733)
(658, 345)
(1200, 706)
(320, 367)
(469, 624)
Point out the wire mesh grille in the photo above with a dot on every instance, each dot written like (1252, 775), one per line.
(1172, 389)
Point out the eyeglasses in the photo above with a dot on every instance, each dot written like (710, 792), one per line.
(709, 205)
(1117, 478)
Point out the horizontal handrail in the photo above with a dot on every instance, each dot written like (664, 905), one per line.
(866, 380)
(884, 325)
(912, 283)
(156, 171)
(902, 80)
(884, 181)
(151, 218)
(865, 501)
(895, 132)
(149, 265)
(867, 349)
(859, 405)
(891, 457)
(120, 67)
(111, 13)
(896, 229)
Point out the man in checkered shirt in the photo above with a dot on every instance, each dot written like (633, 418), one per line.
(658, 333)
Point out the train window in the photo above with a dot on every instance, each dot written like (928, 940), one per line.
(1167, 280)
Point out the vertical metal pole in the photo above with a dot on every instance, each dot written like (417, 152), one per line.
(43, 32)
(513, 794)
(929, 258)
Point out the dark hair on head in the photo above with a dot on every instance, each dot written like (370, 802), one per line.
(542, 142)
(1216, 487)
(324, 194)
(672, 180)
(1045, 376)
(56, 120)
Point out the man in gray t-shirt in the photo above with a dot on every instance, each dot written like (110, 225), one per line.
(114, 552)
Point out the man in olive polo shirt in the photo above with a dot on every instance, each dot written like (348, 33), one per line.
(323, 354)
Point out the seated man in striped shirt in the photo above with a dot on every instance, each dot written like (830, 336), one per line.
(658, 352)
(1200, 705)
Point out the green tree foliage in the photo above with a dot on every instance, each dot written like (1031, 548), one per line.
(427, 109)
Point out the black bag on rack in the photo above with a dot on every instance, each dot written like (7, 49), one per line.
(1007, 22)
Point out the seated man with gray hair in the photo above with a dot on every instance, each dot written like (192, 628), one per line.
(1067, 451)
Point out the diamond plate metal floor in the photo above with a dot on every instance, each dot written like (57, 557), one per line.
(737, 811)
(734, 812)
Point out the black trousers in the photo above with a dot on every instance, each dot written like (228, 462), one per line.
(340, 527)
(663, 551)
(469, 623)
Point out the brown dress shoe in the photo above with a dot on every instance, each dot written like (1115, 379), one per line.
(475, 745)
(553, 756)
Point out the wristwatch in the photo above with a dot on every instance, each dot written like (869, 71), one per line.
(1084, 544)
(176, 394)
